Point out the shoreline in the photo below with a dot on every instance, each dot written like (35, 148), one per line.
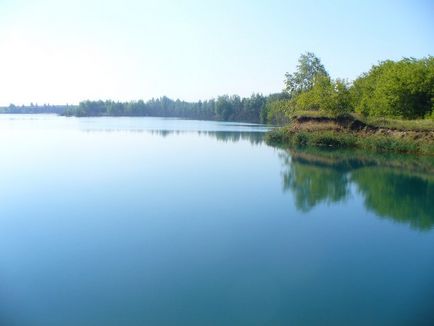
(347, 131)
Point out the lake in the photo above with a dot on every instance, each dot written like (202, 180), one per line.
(149, 221)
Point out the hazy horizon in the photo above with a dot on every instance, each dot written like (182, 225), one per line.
(62, 52)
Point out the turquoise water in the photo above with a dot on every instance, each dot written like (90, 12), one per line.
(148, 221)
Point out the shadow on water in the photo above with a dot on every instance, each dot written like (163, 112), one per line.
(395, 187)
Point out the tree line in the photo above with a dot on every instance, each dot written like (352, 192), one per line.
(35, 109)
(224, 108)
(401, 89)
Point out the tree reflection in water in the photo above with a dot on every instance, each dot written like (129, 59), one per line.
(397, 187)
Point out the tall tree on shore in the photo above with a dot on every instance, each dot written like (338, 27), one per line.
(308, 68)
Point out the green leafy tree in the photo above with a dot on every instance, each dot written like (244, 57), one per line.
(402, 89)
(279, 111)
(309, 66)
(223, 107)
(327, 95)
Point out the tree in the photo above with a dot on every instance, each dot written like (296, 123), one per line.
(267, 113)
(327, 95)
(402, 89)
(278, 111)
(309, 66)
(224, 108)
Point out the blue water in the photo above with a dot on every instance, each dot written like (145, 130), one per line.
(149, 221)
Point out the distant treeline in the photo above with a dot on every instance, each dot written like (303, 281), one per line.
(224, 108)
(32, 109)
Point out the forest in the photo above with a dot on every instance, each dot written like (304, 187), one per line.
(35, 109)
(224, 108)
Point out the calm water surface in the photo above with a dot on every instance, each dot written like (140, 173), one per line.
(148, 221)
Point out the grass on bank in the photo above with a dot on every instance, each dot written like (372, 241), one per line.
(388, 123)
(414, 135)
(380, 143)
(402, 125)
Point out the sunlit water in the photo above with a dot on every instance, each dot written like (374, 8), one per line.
(147, 221)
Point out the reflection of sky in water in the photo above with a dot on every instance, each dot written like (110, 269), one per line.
(48, 121)
(132, 228)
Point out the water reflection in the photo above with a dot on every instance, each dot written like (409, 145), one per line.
(224, 136)
(254, 137)
(396, 187)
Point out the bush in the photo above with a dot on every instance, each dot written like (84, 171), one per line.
(278, 112)
(327, 95)
(403, 89)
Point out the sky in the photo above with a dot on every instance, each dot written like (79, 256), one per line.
(58, 52)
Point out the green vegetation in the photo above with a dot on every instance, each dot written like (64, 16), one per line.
(403, 89)
(276, 108)
(332, 134)
(303, 79)
(224, 108)
(397, 90)
(390, 108)
(398, 124)
(326, 95)
(35, 109)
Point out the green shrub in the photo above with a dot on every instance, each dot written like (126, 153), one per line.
(402, 89)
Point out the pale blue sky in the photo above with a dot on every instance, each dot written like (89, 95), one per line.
(54, 51)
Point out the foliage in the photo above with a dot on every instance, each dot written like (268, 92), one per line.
(275, 109)
(326, 95)
(225, 108)
(403, 89)
(309, 66)
(279, 111)
(398, 124)
(347, 139)
(34, 109)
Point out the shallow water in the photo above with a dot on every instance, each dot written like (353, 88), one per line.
(149, 221)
